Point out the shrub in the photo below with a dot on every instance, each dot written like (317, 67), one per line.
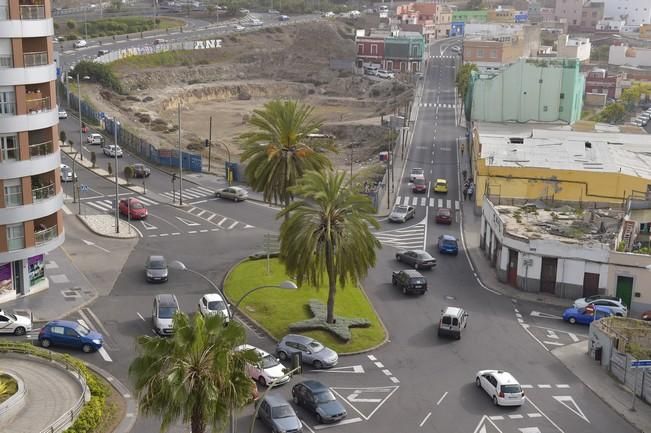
(62, 136)
(100, 73)
(70, 24)
(129, 172)
(93, 412)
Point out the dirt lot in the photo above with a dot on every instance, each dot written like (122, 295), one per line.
(251, 69)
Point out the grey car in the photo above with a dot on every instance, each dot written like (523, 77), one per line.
(156, 269)
(401, 214)
(234, 193)
(419, 259)
(312, 352)
(318, 399)
(279, 415)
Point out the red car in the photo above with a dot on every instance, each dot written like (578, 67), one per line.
(133, 208)
(420, 185)
(646, 316)
(443, 215)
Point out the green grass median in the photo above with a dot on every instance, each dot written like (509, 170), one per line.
(276, 309)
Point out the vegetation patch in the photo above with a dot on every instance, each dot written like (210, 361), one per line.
(341, 327)
(100, 73)
(8, 387)
(276, 309)
(115, 26)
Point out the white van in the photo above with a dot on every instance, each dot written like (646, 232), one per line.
(371, 69)
(453, 322)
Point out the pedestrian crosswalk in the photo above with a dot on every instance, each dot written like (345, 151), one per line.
(412, 237)
(196, 192)
(428, 202)
(106, 204)
(434, 105)
(224, 223)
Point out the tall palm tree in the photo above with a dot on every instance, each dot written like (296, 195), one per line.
(195, 375)
(327, 233)
(277, 148)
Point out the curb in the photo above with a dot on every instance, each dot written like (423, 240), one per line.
(268, 334)
(104, 235)
(130, 416)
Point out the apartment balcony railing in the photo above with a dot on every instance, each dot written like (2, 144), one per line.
(35, 59)
(46, 235)
(38, 105)
(7, 108)
(41, 149)
(43, 193)
(31, 12)
(6, 60)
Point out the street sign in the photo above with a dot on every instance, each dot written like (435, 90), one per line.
(83, 187)
(643, 363)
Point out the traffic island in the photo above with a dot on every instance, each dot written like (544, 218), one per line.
(276, 311)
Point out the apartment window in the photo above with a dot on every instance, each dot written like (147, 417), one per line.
(4, 10)
(6, 59)
(480, 53)
(374, 49)
(8, 147)
(545, 108)
(15, 237)
(562, 95)
(360, 48)
(560, 109)
(13, 192)
(7, 101)
(493, 54)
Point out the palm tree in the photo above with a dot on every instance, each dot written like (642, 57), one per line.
(195, 375)
(327, 233)
(277, 149)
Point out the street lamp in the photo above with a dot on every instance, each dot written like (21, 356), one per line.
(81, 139)
(288, 285)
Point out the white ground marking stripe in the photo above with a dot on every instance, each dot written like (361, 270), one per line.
(425, 419)
(342, 422)
(105, 356)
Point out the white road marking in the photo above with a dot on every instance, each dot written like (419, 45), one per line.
(306, 425)
(394, 379)
(232, 226)
(526, 386)
(387, 372)
(431, 202)
(414, 202)
(574, 337)
(441, 399)
(148, 226)
(497, 418)
(562, 385)
(534, 415)
(544, 386)
(222, 221)
(211, 217)
(342, 422)
(66, 210)
(406, 201)
(357, 369)
(566, 400)
(201, 213)
(545, 315)
(187, 222)
(423, 201)
(526, 328)
(516, 416)
(354, 397)
(440, 202)
(425, 419)
(379, 365)
(553, 343)
(192, 231)
(199, 202)
(140, 315)
(96, 319)
(203, 231)
(518, 315)
(176, 234)
(552, 334)
(105, 356)
(545, 415)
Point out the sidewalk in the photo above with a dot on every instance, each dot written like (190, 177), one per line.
(575, 358)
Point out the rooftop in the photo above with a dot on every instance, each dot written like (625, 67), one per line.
(593, 227)
(569, 150)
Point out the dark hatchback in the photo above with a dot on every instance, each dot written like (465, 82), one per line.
(409, 281)
(443, 215)
(318, 399)
(420, 185)
(70, 334)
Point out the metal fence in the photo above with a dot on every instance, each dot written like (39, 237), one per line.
(638, 378)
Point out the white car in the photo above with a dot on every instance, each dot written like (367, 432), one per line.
(416, 172)
(14, 324)
(238, 28)
(95, 138)
(268, 370)
(234, 193)
(456, 48)
(383, 73)
(80, 43)
(501, 387)
(63, 114)
(256, 23)
(212, 304)
(111, 150)
(66, 173)
(614, 303)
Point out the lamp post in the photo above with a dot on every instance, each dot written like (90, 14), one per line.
(288, 285)
(117, 186)
(81, 139)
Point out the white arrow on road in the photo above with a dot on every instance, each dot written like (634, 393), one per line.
(529, 430)
(93, 244)
(188, 222)
(545, 315)
(354, 398)
(148, 226)
(345, 369)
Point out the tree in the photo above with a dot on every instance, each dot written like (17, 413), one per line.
(195, 376)
(110, 168)
(631, 97)
(327, 232)
(129, 172)
(612, 113)
(277, 150)
(463, 78)
(62, 136)
(93, 158)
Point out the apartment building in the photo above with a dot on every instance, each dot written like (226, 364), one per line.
(580, 13)
(635, 12)
(491, 46)
(31, 198)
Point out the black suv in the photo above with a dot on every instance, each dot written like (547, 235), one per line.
(409, 281)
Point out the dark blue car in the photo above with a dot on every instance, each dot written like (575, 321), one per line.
(70, 334)
(448, 245)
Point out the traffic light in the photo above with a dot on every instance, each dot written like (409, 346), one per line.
(207, 143)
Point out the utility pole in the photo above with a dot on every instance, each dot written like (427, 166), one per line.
(209, 144)
(351, 162)
(81, 139)
(180, 161)
(117, 186)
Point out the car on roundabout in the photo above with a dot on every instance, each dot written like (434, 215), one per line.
(156, 269)
(70, 334)
(501, 387)
(401, 213)
(133, 208)
(419, 185)
(234, 193)
(443, 215)
(81, 43)
(419, 259)
(212, 304)
(447, 244)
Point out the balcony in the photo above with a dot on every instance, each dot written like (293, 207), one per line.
(44, 234)
(41, 149)
(6, 60)
(37, 105)
(43, 193)
(32, 12)
(38, 58)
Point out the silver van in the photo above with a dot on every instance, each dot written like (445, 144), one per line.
(162, 315)
(453, 322)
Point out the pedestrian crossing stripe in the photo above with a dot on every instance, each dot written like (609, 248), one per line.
(432, 105)
(412, 237)
(431, 202)
(107, 205)
(195, 192)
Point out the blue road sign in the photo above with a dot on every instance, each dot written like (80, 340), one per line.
(641, 363)
(83, 187)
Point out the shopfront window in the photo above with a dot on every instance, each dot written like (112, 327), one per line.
(6, 282)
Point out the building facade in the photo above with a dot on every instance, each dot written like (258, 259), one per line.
(580, 14)
(31, 197)
(397, 51)
(574, 48)
(600, 81)
(623, 55)
(635, 12)
(492, 46)
(432, 20)
(645, 31)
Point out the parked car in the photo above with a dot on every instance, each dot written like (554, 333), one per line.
(371, 70)
(443, 215)
(383, 73)
(419, 259)
(268, 370)
(66, 173)
(70, 334)
(283, 18)
(419, 185)
(501, 387)
(101, 53)
(401, 214)
(80, 43)
(456, 49)
(212, 304)
(162, 314)
(63, 114)
(279, 415)
(441, 185)
(159, 41)
(141, 170)
(317, 398)
(234, 193)
(132, 208)
(613, 302)
(416, 172)
(447, 244)
(111, 150)
(238, 28)
(95, 139)
(409, 281)
(14, 323)
(586, 315)
(646, 315)
(312, 352)
(156, 269)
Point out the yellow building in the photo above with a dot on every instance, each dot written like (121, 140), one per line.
(645, 31)
(558, 166)
(501, 15)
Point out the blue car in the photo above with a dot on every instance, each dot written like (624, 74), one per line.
(448, 245)
(70, 334)
(586, 315)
